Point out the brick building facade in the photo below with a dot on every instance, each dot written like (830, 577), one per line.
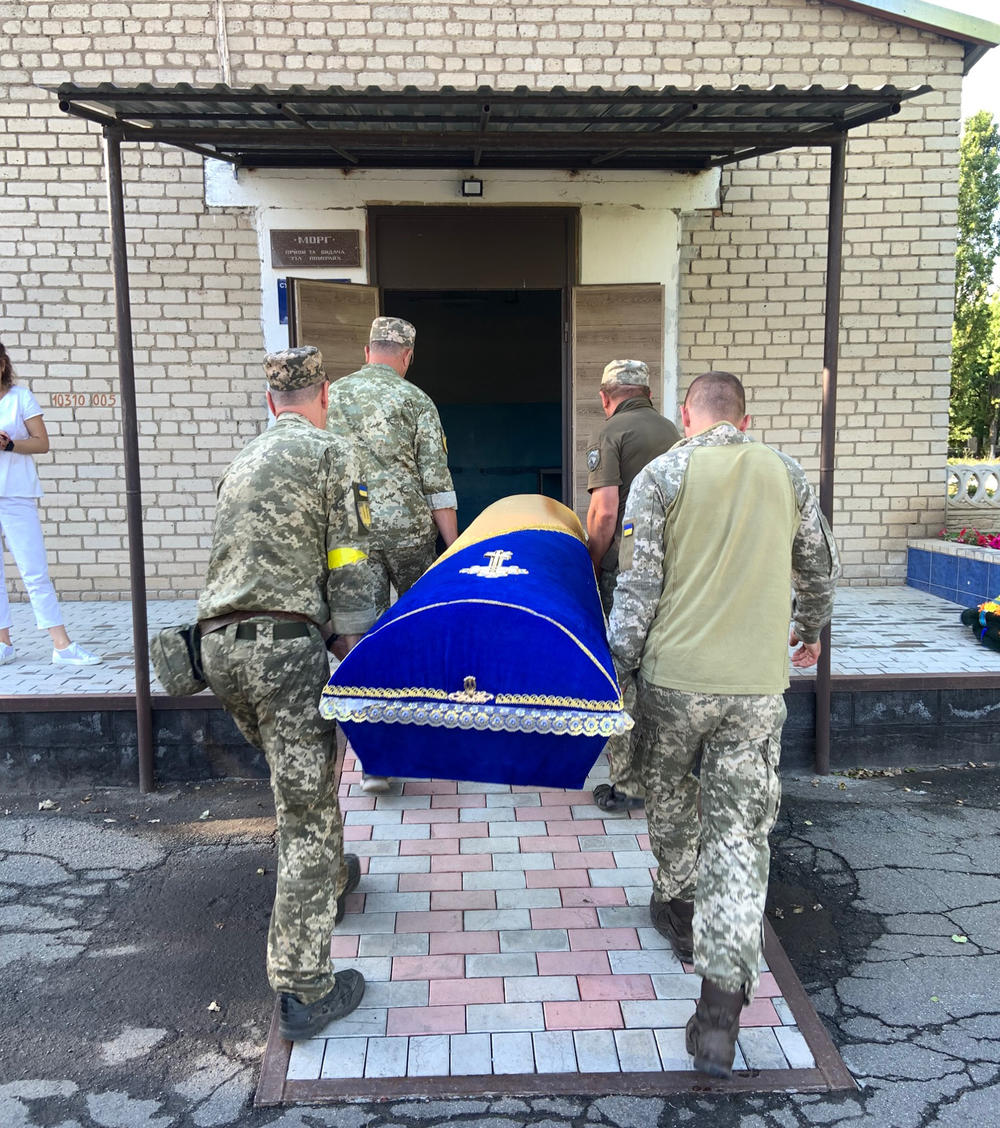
(743, 255)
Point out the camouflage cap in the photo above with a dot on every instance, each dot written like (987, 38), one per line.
(394, 330)
(618, 372)
(294, 368)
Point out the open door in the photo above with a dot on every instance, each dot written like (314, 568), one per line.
(610, 323)
(335, 317)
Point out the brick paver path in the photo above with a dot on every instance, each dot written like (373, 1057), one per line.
(505, 930)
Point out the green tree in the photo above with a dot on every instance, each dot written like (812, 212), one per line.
(991, 353)
(975, 365)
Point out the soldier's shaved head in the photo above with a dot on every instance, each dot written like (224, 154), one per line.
(298, 396)
(616, 393)
(719, 395)
(388, 349)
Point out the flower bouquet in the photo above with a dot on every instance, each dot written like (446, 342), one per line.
(985, 622)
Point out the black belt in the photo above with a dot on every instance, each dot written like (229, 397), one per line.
(248, 631)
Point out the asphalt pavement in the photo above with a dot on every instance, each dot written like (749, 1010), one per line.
(133, 994)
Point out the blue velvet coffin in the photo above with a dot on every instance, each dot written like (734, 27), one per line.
(494, 666)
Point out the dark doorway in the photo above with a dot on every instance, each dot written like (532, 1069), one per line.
(492, 362)
(488, 289)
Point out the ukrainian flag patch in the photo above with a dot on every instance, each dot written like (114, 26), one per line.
(627, 529)
(361, 505)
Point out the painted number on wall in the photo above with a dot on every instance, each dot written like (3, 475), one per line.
(78, 399)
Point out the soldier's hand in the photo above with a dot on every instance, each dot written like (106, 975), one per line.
(343, 644)
(807, 653)
(626, 678)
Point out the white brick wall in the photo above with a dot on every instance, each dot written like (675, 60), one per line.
(756, 277)
(752, 274)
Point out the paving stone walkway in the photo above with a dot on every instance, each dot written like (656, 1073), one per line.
(505, 931)
(877, 630)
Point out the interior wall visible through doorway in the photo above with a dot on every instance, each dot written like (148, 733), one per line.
(487, 291)
(492, 362)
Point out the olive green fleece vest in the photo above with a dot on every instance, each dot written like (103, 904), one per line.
(722, 622)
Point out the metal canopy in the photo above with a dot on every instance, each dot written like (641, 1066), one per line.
(305, 127)
(667, 129)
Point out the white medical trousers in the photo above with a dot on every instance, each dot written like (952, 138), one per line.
(22, 531)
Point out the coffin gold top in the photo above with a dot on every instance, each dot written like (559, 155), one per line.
(516, 514)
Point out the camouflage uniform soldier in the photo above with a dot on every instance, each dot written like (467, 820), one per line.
(398, 433)
(717, 532)
(289, 554)
(634, 434)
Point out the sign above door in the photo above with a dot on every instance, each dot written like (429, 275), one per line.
(316, 248)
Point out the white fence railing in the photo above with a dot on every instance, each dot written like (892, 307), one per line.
(973, 496)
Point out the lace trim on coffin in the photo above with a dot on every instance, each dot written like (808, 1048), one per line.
(539, 700)
(474, 717)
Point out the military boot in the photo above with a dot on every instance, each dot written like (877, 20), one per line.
(674, 920)
(298, 1020)
(353, 880)
(710, 1036)
(609, 798)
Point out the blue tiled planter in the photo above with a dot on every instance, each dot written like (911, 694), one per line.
(918, 567)
(944, 571)
(960, 573)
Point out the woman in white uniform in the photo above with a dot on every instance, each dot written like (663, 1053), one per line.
(23, 434)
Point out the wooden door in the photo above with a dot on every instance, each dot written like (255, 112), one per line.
(610, 323)
(335, 317)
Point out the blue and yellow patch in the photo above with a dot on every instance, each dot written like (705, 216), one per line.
(361, 505)
(626, 547)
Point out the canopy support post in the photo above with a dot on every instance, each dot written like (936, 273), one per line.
(828, 429)
(130, 439)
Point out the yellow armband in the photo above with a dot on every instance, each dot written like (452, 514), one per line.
(338, 557)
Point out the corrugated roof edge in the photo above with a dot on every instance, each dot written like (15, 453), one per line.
(593, 93)
(691, 130)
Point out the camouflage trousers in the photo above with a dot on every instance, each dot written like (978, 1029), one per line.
(401, 564)
(720, 861)
(271, 688)
(623, 773)
(606, 580)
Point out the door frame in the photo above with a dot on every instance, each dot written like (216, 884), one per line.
(570, 272)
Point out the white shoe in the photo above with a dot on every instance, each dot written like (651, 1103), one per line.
(6, 653)
(74, 655)
(374, 785)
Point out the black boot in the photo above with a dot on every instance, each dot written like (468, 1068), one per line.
(674, 920)
(297, 1020)
(710, 1037)
(353, 878)
(609, 798)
